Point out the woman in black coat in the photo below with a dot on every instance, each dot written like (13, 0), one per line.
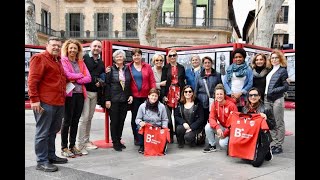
(189, 118)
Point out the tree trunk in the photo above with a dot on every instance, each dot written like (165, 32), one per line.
(30, 24)
(266, 22)
(148, 13)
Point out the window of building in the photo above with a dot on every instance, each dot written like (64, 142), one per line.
(131, 24)
(74, 25)
(201, 12)
(278, 40)
(168, 18)
(103, 22)
(45, 22)
(283, 15)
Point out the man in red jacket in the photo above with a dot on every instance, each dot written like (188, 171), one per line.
(47, 90)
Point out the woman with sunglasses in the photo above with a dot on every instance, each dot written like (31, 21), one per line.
(189, 118)
(174, 75)
(255, 105)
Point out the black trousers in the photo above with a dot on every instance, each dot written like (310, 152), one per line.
(72, 114)
(135, 106)
(117, 113)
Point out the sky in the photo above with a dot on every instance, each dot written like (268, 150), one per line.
(241, 10)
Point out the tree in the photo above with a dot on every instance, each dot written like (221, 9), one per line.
(30, 24)
(267, 20)
(148, 13)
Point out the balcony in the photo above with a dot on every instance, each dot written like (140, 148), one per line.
(195, 23)
(88, 34)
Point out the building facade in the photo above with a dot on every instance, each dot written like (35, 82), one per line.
(284, 30)
(181, 23)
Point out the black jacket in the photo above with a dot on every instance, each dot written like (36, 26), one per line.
(95, 69)
(113, 89)
(269, 113)
(197, 120)
(278, 84)
(166, 76)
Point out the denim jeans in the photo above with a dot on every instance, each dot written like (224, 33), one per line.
(48, 124)
(210, 134)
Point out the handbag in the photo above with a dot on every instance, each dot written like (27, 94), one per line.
(201, 137)
(211, 100)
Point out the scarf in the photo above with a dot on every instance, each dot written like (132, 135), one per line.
(152, 107)
(260, 72)
(239, 70)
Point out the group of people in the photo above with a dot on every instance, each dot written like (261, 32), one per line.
(166, 95)
(63, 85)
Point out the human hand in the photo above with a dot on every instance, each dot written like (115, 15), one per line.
(98, 84)
(130, 99)
(188, 130)
(186, 126)
(263, 115)
(165, 99)
(108, 104)
(220, 133)
(108, 69)
(142, 123)
(37, 108)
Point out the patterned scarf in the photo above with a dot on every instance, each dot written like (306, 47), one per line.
(239, 70)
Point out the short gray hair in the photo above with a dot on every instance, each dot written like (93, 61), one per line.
(117, 52)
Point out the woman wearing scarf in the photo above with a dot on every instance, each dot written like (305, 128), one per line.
(239, 78)
(260, 69)
(151, 111)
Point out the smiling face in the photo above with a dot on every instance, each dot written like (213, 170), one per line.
(219, 95)
(188, 93)
(195, 61)
(254, 96)
(72, 50)
(239, 58)
(96, 47)
(153, 97)
(260, 61)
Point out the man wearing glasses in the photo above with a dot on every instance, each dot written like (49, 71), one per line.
(47, 90)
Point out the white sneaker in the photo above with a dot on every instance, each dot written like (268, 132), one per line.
(83, 150)
(90, 146)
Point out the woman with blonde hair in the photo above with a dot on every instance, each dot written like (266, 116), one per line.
(158, 60)
(77, 74)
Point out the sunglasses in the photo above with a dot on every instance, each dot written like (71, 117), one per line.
(172, 55)
(255, 95)
(157, 60)
(188, 92)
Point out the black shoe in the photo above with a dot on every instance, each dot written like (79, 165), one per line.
(268, 156)
(122, 146)
(47, 167)
(277, 150)
(136, 143)
(58, 160)
(180, 145)
(141, 149)
(117, 147)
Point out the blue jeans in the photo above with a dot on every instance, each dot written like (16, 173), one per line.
(48, 124)
(210, 134)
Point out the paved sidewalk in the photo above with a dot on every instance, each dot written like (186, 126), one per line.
(187, 163)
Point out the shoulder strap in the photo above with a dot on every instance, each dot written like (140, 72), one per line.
(206, 86)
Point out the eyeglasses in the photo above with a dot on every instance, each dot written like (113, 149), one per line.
(158, 60)
(188, 92)
(255, 95)
(172, 55)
